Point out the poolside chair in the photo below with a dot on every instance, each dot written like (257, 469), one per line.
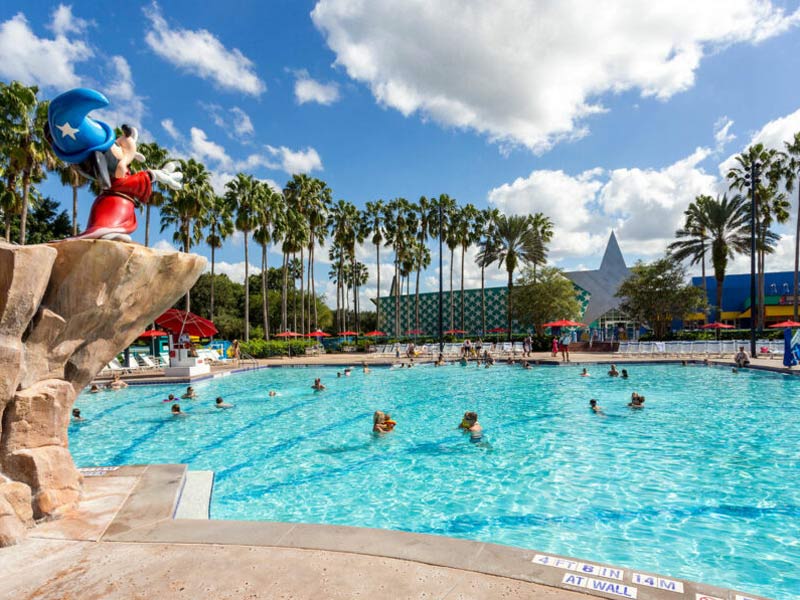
(115, 367)
(149, 362)
(622, 348)
(632, 349)
(133, 364)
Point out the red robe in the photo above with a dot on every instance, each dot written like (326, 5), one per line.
(114, 211)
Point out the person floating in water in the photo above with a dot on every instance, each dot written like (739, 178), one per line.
(612, 372)
(585, 373)
(190, 394)
(637, 401)
(379, 422)
(595, 406)
(170, 398)
(364, 367)
(272, 393)
(177, 412)
(116, 383)
(220, 403)
(76, 415)
(95, 389)
(318, 387)
(624, 373)
(470, 423)
(526, 364)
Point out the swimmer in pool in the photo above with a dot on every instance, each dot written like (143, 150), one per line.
(585, 373)
(272, 393)
(170, 398)
(177, 412)
(595, 407)
(470, 423)
(379, 423)
(612, 372)
(347, 371)
(624, 373)
(76, 415)
(116, 384)
(463, 361)
(220, 403)
(364, 367)
(637, 401)
(189, 395)
(317, 387)
(389, 422)
(526, 364)
(95, 389)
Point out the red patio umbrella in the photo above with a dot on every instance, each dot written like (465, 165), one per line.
(414, 332)
(153, 333)
(348, 333)
(784, 324)
(455, 332)
(318, 334)
(717, 326)
(375, 333)
(179, 321)
(564, 323)
(498, 330)
(288, 334)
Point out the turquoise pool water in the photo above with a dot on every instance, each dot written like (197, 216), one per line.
(701, 484)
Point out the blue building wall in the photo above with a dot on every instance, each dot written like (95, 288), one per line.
(736, 288)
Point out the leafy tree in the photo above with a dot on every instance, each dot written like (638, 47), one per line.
(485, 232)
(514, 244)
(155, 157)
(719, 224)
(657, 293)
(270, 228)
(69, 176)
(217, 218)
(544, 296)
(792, 176)
(374, 229)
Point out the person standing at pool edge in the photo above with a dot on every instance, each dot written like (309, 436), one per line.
(563, 345)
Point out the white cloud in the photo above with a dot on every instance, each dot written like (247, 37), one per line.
(234, 120)
(125, 105)
(296, 161)
(722, 133)
(164, 245)
(235, 271)
(40, 61)
(218, 180)
(169, 127)
(772, 135)
(242, 124)
(204, 149)
(64, 22)
(307, 89)
(201, 53)
(530, 73)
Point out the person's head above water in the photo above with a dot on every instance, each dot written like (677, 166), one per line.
(378, 417)
(592, 402)
(176, 408)
(219, 400)
(76, 412)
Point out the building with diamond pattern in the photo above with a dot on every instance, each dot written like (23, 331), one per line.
(595, 291)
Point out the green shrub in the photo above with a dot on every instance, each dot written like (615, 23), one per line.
(260, 348)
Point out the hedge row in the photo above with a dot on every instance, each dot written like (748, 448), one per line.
(259, 348)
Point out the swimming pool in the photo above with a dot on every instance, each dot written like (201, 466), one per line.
(701, 484)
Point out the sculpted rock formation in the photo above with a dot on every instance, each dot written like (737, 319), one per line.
(66, 310)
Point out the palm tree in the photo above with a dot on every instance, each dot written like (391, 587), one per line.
(219, 221)
(155, 157)
(295, 238)
(465, 235)
(317, 206)
(270, 229)
(185, 208)
(726, 231)
(374, 224)
(396, 223)
(23, 139)
(244, 200)
(771, 203)
(421, 256)
(692, 242)
(485, 234)
(70, 176)
(544, 227)
(516, 243)
(791, 175)
(346, 231)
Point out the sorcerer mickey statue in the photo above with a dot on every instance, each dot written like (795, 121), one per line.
(89, 144)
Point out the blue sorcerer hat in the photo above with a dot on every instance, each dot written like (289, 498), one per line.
(74, 135)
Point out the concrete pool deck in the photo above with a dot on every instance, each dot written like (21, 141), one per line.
(355, 359)
(124, 542)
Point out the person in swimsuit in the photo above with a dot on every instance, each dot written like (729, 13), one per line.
(612, 372)
(595, 407)
(220, 403)
(624, 373)
(176, 411)
(76, 415)
(470, 423)
(189, 395)
(585, 373)
(317, 387)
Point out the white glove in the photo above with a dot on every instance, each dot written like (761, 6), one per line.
(168, 176)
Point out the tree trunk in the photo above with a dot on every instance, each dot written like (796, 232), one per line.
(761, 291)
(294, 294)
(508, 303)
(416, 303)
(8, 227)
(246, 290)
(462, 286)
(378, 294)
(75, 210)
(147, 225)
(452, 305)
(397, 327)
(408, 301)
(302, 292)
(483, 301)
(705, 285)
(314, 293)
(310, 285)
(186, 250)
(796, 257)
(23, 217)
(212, 283)
(264, 300)
(285, 292)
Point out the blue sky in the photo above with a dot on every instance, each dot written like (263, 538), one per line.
(599, 118)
